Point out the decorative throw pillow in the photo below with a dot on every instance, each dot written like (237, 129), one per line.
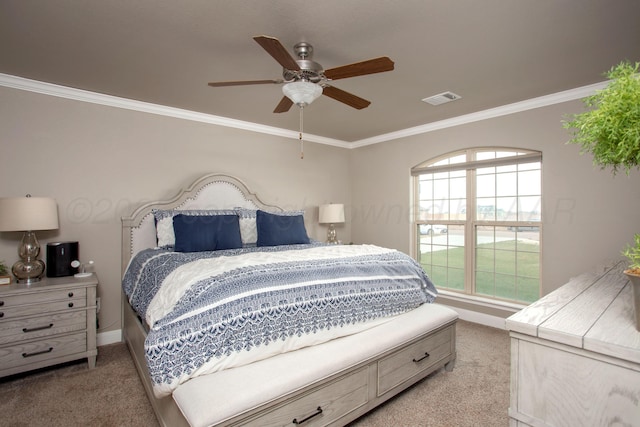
(197, 233)
(164, 222)
(276, 229)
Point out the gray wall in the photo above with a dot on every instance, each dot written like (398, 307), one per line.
(588, 214)
(99, 163)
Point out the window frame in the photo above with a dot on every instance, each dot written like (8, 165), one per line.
(471, 221)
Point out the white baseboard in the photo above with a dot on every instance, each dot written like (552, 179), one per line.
(111, 337)
(481, 318)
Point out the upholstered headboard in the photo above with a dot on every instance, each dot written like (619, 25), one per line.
(213, 191)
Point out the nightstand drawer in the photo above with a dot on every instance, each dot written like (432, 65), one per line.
(12, 312)
(404, 364)
(42, 350)
(37, 327)
(27, 297)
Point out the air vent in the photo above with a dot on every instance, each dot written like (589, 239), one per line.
(442, 98)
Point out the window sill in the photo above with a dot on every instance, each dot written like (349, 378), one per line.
(477, 309)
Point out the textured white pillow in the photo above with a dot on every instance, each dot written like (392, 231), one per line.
(248, 227)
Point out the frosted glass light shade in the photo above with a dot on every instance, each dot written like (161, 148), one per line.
(331, 214)
(302, 93)
(28, 214)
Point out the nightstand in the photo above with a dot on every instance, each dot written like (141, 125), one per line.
(48, 322)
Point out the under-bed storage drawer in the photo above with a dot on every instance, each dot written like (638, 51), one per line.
(410, 361)
(321, 406)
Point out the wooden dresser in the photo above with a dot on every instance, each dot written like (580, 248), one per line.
(575, 355)
(46, 323)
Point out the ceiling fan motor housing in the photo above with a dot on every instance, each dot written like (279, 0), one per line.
(309, 71)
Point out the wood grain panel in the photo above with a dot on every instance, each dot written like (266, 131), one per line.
(527, 321)
(567, 389)
(621, 341)
(569, 325)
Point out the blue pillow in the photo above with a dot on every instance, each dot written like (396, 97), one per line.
(275, 230)
(206, 233)
(165, 236)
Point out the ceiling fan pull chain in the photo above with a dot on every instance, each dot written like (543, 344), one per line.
(300, 135)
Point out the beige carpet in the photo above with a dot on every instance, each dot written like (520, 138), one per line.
(475, 394)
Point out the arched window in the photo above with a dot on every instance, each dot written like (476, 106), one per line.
(477, 222)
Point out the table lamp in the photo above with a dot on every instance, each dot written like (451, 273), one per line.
(28, 214)
(331, 214)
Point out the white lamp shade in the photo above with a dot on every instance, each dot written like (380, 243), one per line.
(331, 214)
(302, 93)
(28, 214)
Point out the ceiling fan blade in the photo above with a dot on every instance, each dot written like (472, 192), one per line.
(244, 82)
(274, 48)
(284, 105)
(371, 66)
(345, 97)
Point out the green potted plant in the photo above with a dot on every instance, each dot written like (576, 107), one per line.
(632, 252)
(610, 131)
(5, 278)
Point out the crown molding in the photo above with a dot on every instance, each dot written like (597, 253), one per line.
(44, 88)
(517, 107)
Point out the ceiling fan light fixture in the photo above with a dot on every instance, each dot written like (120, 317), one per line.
(302, 93)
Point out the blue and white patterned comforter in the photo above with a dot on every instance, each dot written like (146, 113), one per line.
(209, 311)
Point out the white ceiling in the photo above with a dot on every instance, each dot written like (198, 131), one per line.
(491, 52)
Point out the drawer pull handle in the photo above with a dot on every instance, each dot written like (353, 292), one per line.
(39, 328)
(70, 305)
(1, 314)
(318, 412)
(70, 294)
(422, 358)
(37, 352)
(1, 303)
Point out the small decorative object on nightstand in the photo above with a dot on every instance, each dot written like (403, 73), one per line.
(84, 270)
(5, 278)
(28, 214)
(332, 214)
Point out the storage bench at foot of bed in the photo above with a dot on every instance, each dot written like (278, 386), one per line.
(330, 384)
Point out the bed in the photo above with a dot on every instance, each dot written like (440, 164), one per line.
(318, 335)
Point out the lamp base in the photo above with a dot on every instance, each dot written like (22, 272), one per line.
(29, 269)
(332, 235)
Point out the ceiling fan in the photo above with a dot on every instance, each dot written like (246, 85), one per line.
(305, 80)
